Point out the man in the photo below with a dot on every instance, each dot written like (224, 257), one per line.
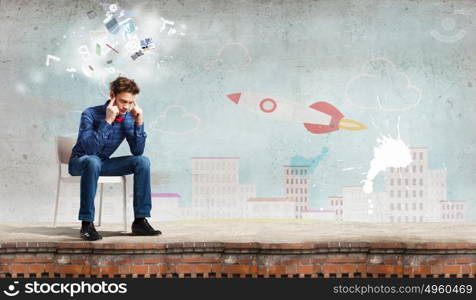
(101, 131)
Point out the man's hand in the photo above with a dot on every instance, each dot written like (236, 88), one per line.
(137, 113)
(111, 111)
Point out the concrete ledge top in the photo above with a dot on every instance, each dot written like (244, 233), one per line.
(247, 236)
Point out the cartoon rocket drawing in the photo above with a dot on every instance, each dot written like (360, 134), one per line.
(319, 117)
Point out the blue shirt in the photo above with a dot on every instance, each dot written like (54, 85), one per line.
(98, 137)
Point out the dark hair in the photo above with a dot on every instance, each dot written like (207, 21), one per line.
(123, 84)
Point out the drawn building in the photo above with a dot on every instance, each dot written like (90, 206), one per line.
(414, 193)
(216, 191)
(296, 187)
(319, 214)
(453, 211)
(271, 208)
(336, 204)
(165, 207)
(360, 206)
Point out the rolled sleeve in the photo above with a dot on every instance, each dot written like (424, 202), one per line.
(136, 138)
(139, 130)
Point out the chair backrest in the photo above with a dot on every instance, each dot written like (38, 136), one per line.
(64, 146)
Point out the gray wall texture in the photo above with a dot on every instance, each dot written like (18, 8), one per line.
(302, 51)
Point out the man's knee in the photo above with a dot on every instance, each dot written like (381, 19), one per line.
(92, 162)
(142, 161)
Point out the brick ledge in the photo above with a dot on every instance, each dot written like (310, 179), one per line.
(226, 247)
(221, 259)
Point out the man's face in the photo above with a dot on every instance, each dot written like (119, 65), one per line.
(124, 101)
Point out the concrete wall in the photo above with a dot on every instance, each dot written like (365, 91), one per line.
(419, 54)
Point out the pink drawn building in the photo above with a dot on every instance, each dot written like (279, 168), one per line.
(165, 207)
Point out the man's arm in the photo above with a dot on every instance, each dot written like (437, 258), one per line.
(135, 133)
(92, 140)
(136, 137)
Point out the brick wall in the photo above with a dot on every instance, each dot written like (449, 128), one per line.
(80, 259)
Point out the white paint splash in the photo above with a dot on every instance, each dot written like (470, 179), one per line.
(389, 152)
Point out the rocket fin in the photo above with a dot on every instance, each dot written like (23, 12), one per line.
(234, 97)
(328, 109)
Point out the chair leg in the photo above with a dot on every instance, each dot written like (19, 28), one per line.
(124, 205)
(100, 203)
(57, 201)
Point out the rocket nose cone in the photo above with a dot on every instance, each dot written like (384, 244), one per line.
(234, 97)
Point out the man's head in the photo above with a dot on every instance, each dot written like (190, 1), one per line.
(124, 90)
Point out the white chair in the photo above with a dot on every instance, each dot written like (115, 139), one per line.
(64, 146)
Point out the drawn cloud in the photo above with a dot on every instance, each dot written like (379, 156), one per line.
(175, 120)
(381, 86)
(232, 57)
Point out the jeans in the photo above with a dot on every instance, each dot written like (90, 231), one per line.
(90, 167)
